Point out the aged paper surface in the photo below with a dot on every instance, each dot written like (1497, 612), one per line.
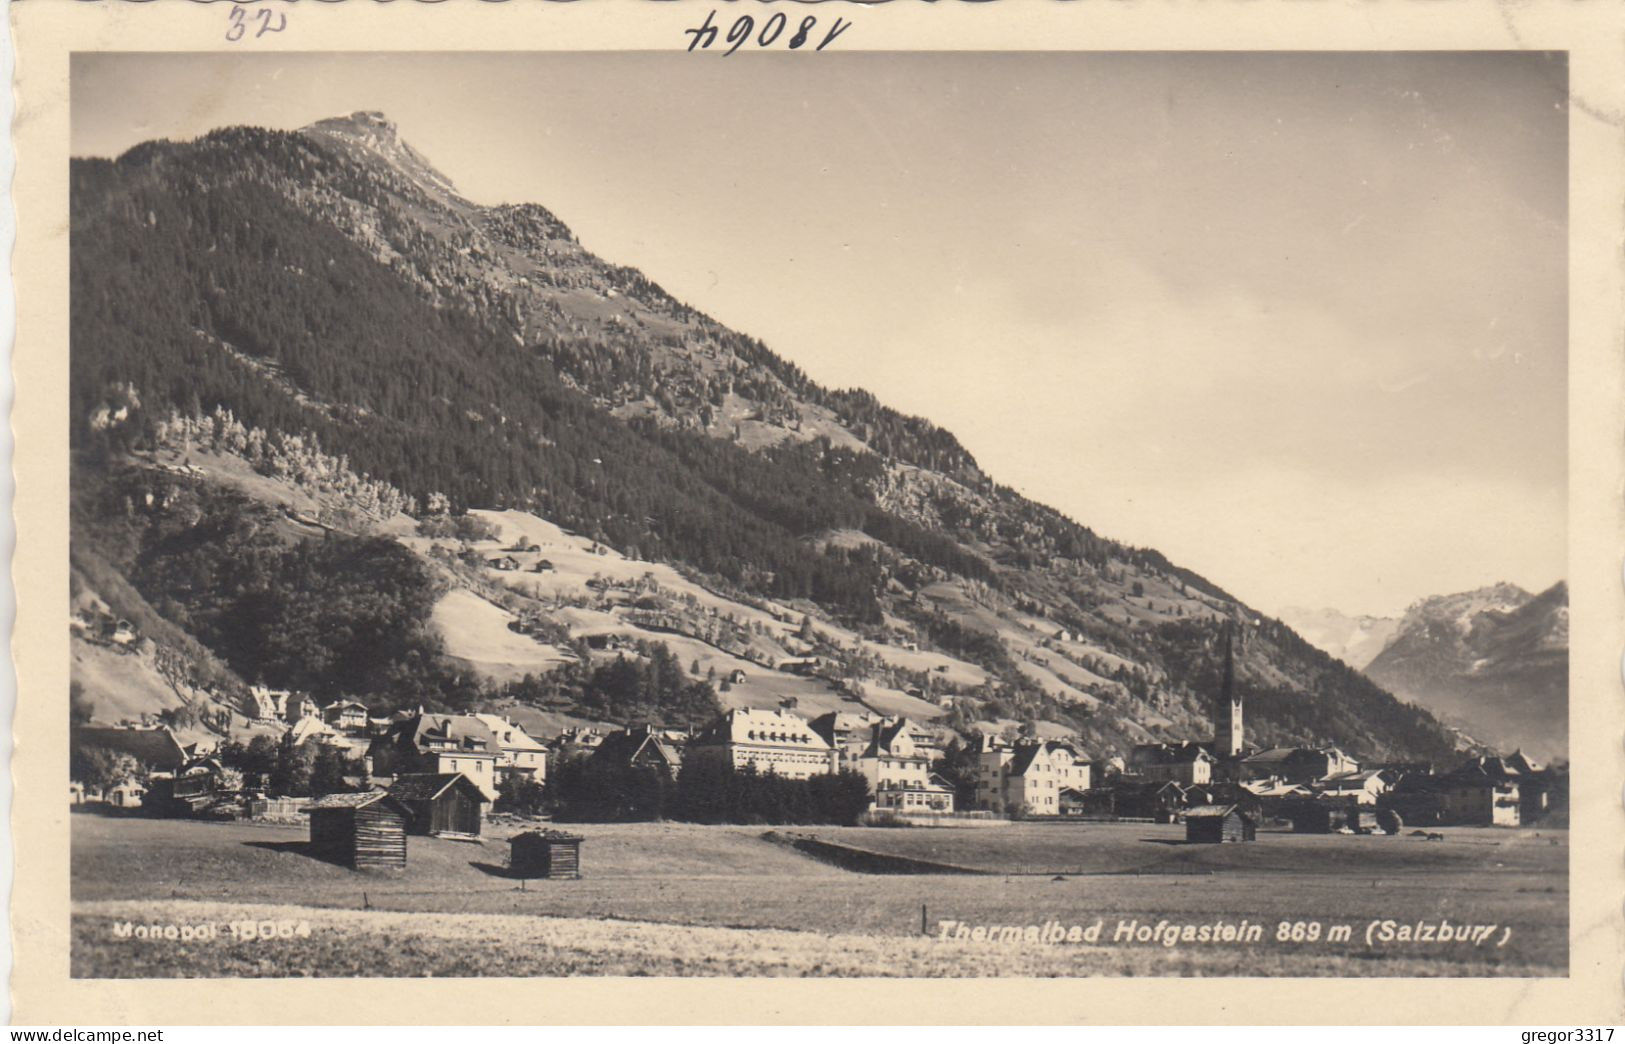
(1361, 849)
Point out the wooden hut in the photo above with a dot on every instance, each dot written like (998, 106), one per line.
(545, 853)
(1322, 817)
(445, 804)
(361, 831)
(1217, 823)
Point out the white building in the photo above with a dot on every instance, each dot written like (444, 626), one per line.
(517, 750)
(776, 741)
(1028, 777)
(898, 768)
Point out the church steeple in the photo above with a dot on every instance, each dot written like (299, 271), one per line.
(1229, 735)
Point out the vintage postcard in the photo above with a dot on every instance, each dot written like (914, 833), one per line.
(820, 513)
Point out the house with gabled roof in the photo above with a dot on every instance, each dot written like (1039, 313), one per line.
(641, 747)
(439, 743)
(300, 706)
(345, 714)
(364, 831)
(848, 732)
(155, 748)
(1217, 824)
(1298, 764)
(1480, 800)
(1187, 763)
(1027, 777)
(898, 769)
(1499, 791)
(263, 704)
(1363, 787)
(444, 804)
(517, 750)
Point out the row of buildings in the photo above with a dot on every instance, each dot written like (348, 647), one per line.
(896, 755)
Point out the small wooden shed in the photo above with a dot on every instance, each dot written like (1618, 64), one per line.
(1323, 817)
(1218, 823)
(362, 831)
(445, 804)
(545, 853)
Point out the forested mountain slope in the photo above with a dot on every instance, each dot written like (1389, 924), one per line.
(322, 304)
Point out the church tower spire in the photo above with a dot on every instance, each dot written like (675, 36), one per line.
(1229, 734)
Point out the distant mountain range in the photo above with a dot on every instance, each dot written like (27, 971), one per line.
(1493, 662)
(1356, 640)
(298, 358)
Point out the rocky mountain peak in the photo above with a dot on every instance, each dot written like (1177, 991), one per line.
(374, 133)
(359, 123)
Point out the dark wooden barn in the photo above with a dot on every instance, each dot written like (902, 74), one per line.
(1218, 823)
(545, 853)
(361, 831)
(1322, 817)
(445, 804)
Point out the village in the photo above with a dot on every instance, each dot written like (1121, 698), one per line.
(364, 782)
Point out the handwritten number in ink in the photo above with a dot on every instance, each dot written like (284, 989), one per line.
(269, 21)
(766, 40)
(739, 33)
(801, 32)
(266, 19)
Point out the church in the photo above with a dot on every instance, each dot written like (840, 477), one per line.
(1218, 760)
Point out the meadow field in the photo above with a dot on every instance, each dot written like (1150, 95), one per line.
(683, 899)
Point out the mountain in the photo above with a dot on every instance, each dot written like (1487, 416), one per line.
(1356, 640)
(325, 409)
(1494, 660)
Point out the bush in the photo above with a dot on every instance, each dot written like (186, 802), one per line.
(711, 792)
(467, 528)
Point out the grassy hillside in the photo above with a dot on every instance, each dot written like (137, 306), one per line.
(321, 304)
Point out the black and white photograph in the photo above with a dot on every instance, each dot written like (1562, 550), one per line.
(963, 513)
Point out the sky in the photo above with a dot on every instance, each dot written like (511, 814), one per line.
(1298, 321)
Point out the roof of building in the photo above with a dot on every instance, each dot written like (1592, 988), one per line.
(835, 725)
(620, 748)
(1216, 812)
(309, 728)
(426, 786)
(1353, 780)
(544, 835)
(1171, 753)
(1130, 784)
(510, 735)
(462, 733)
(893, 738)
(1520, 761)
(1493, 767)
(1024, 758)
(155, 748)
(774, 727)
(361, 800)
(1264, 788)
(1480, 781)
